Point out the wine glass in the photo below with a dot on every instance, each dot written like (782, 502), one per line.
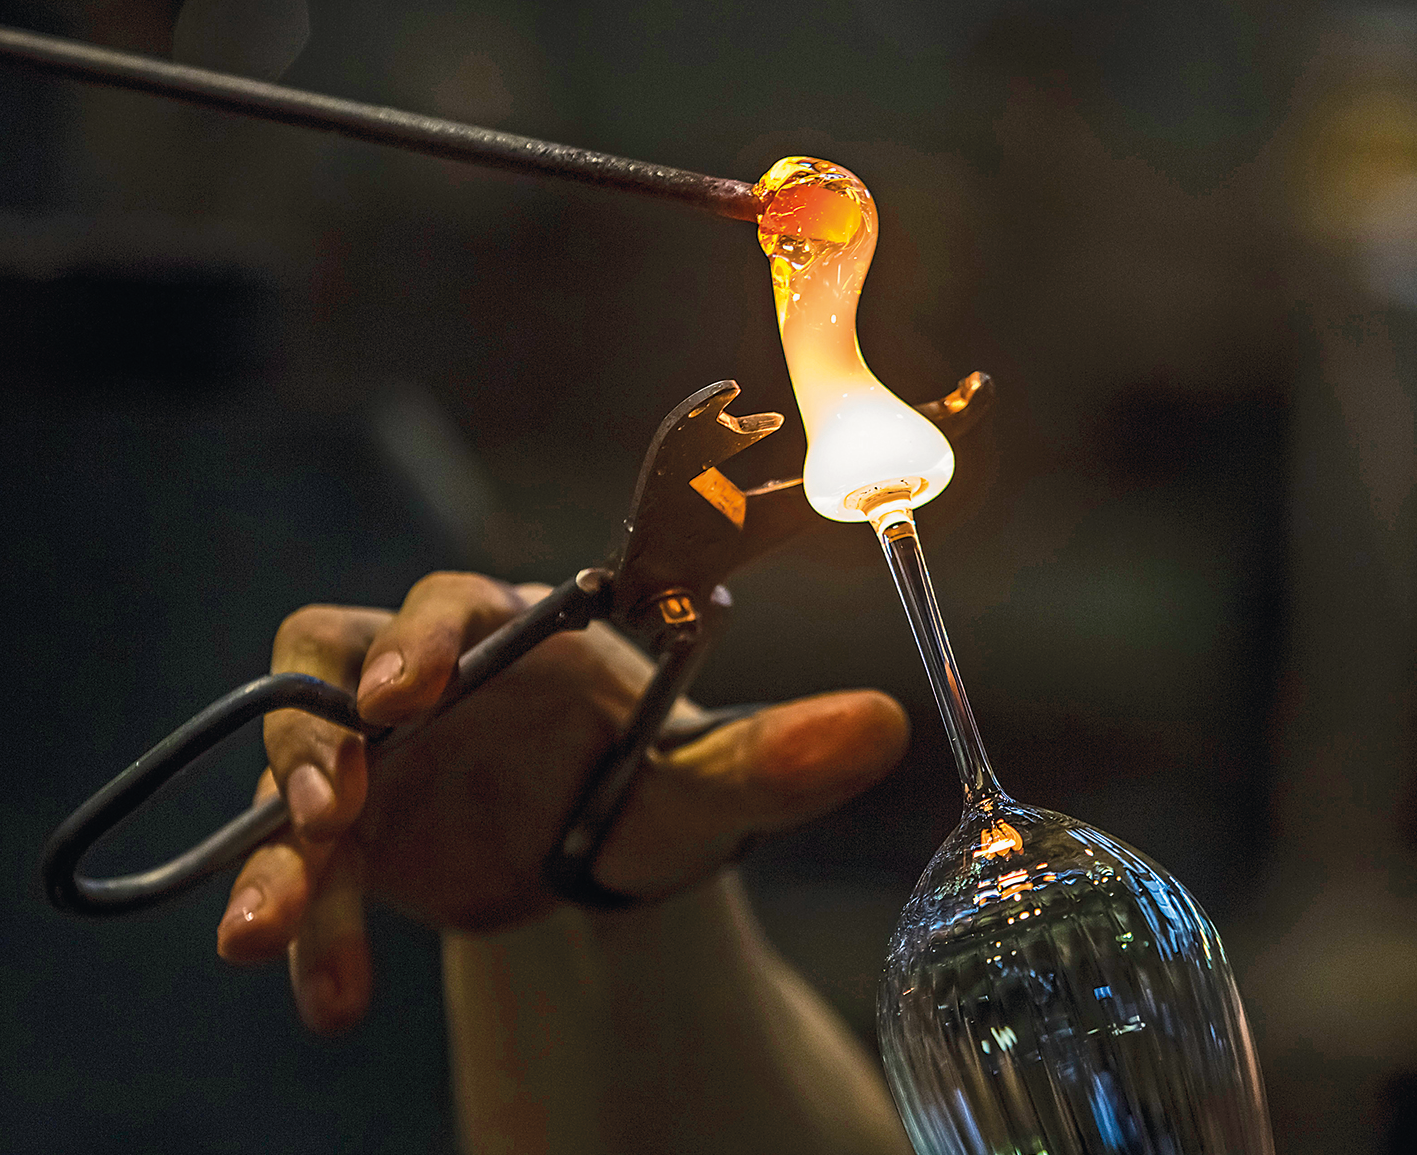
(1048, 989)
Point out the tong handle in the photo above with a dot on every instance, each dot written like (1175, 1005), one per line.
(570, 868)
(571, 605)
(69, 890)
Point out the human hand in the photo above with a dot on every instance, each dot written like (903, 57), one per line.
(452, 826)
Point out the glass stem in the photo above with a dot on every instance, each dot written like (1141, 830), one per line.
(896, 533)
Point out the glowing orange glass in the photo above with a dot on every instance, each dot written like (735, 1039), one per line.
(818, 229)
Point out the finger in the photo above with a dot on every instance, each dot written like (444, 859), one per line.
(409, 663)
(329, 957)
(694, 809)
(270, 894)
(532, 592)
(320, 767)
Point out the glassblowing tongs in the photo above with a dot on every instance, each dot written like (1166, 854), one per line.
(689, 526)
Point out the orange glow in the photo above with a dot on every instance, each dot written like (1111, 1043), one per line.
(810, 211)
(1001, 838)
(818, 229)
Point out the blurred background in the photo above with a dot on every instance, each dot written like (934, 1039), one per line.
(249, 367)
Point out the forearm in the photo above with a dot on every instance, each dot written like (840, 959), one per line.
(675, 1027)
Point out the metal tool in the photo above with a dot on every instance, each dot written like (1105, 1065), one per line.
(689, 526)
(407, 130)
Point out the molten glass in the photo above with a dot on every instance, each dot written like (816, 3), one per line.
(818, 228)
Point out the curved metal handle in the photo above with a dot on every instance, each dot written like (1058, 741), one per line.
(570, 606)
(69, 890)
(570, 867)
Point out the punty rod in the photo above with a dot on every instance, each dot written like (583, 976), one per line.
(407, 130)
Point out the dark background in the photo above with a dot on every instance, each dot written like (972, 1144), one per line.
(248, 366)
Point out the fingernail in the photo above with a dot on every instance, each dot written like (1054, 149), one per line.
(243, 907)
(309, 795)
(382, 670)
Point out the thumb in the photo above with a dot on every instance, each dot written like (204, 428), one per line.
(693, 809)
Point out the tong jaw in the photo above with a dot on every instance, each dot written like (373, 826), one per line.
(681, 535)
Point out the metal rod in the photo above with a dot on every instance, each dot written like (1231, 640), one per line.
(407, 130)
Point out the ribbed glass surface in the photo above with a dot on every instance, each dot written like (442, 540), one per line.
(1051, 990)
